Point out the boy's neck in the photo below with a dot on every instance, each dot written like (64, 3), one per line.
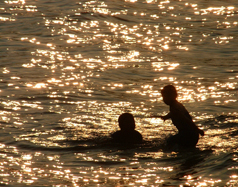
(172, 102)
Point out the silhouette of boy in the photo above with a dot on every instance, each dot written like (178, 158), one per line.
(127, 134)
(188, 132)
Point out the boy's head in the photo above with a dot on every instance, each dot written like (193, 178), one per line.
(126, 122)
(169, 94)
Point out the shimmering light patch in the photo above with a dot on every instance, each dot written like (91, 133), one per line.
(32, 105)
(132, 1)
(218, 10)
(27, 157)
(142, 181)
(150, 1)
(133, 54)
(15, 1)
(173, 66)
(31, 8)
(165, 46)
(58, 137)
(40, 85)
(209, 182)
(6, 19)
(183, 48)
(155, 155)
(14, 105)
(158, 66)
(5, 71)
(53, 80)
(222, 39)
(234, 176)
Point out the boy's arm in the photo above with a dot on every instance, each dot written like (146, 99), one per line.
(168, 116)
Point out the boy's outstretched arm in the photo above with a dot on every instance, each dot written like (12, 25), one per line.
(168, 116)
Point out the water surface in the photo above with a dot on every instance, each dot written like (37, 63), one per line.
(70, 68)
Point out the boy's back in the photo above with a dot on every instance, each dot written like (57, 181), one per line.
(180, 117)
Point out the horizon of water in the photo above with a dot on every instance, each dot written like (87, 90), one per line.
(70, 68)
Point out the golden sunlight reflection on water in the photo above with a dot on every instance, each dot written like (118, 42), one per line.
(68, 74)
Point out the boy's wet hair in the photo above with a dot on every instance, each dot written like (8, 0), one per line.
(126, 122)
(169, 91)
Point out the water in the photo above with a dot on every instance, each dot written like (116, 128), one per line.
(70, 68)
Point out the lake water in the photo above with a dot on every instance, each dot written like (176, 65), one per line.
(68, 69)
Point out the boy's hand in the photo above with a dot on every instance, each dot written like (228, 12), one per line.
(201, 132)
(163, 117)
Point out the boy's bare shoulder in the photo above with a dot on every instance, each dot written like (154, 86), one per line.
(177, 107)
(127, 137)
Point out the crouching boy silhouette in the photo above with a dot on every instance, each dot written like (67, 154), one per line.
(188, 132)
